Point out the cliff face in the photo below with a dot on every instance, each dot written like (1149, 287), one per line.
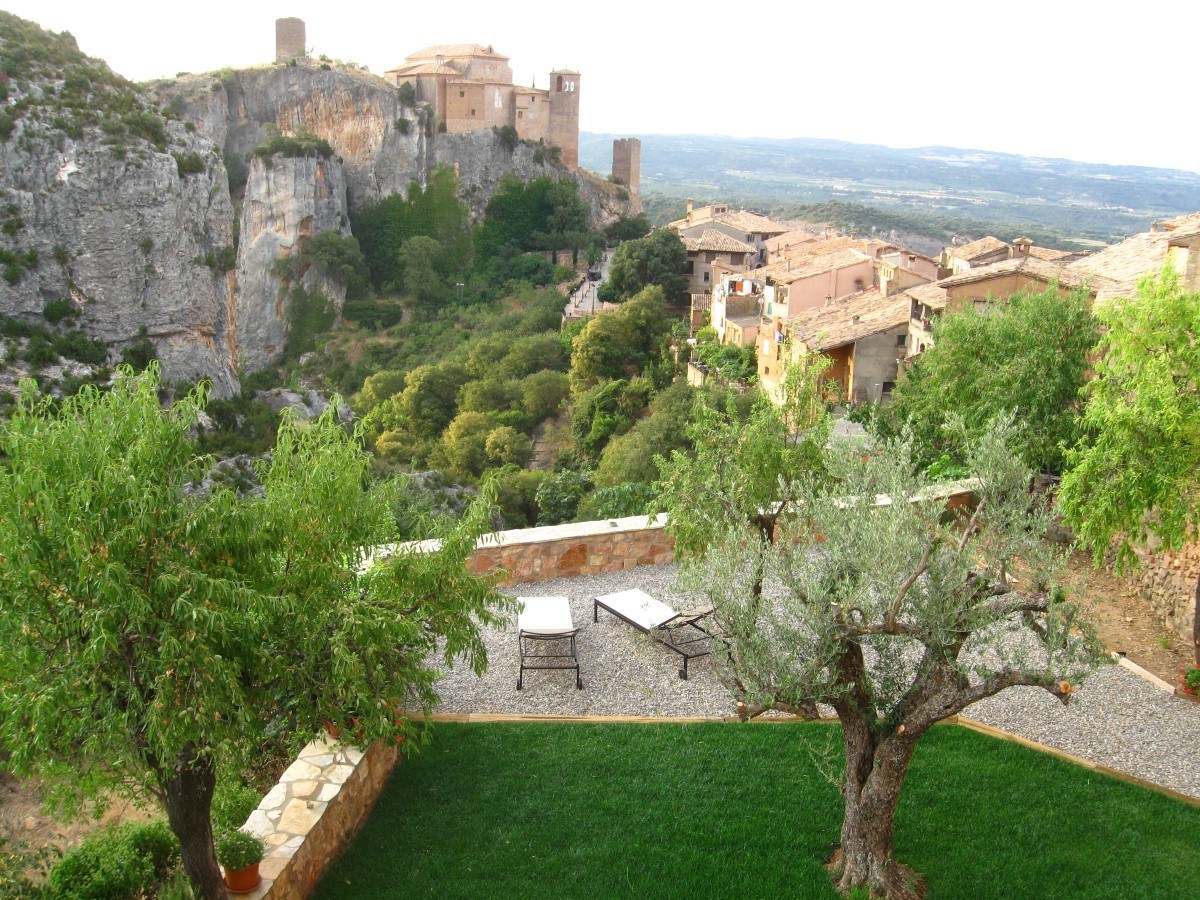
(482, 159)
(100, 215)
(286, 200)
(356, 112)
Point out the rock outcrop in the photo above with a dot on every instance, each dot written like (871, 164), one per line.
(286, 200)
(135, 233)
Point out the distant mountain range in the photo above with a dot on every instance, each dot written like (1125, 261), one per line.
(1082, 200)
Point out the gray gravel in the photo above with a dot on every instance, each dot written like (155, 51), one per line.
(1115, 718)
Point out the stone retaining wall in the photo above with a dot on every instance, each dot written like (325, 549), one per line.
(1168, 581)
(308, 818)
(580, 548)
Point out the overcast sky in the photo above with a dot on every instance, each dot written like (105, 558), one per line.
(1094, 81)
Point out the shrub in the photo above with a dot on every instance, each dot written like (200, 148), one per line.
(232, 804)
(403, 125)
(297, 145)
(40, 352)
(103, 867)
(78, 346)
(188, 164)
(238, 850)
(407, 94)
(507, 136)
(237, 171)
(140, 353)
(54, 311)
(147, 125)
(153, 840)
(374, 315)
(60, 255)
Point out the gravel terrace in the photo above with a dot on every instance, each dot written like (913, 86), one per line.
(1115, 719)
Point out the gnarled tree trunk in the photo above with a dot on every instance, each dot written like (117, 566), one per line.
(188, 788)
(875, 770)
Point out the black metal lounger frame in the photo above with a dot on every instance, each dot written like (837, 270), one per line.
(523, 636)
(667, 628)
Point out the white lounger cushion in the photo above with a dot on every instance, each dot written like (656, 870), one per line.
(639, 607)
(544, 615)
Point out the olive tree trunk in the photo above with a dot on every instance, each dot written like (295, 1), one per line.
(188, 789)
(875, 770)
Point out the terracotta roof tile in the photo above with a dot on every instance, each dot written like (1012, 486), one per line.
(454, 51)
(1065, 275)
(849, 319)
(717, 241)
(932, 295)
(982, 247)
(785, 271)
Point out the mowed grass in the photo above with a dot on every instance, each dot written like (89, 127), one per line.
(724, 810)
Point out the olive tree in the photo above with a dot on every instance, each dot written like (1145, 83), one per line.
(153, 628)
(881, 604)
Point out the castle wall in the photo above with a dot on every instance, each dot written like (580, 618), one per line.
(465, 107)
(532, 115)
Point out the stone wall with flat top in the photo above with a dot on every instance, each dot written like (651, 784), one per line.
(1168, 581)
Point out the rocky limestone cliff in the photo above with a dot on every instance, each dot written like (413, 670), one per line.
(355, 111)
(481, 159)
(358, 113)
(286, 200)
(97, 214)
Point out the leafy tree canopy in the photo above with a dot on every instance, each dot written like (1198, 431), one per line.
(659, 259)
(1136, 473)
(152, 630)
(1028, 355)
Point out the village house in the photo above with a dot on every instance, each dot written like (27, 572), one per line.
(1175, 242)
(749, 227)
(712, 247)
(989, 250)
(990, 284)
(864, 335)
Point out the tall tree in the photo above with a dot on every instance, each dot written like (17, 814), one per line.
(150, 627)
(1028, 355)
(1136, 474)
(659, 259)
(897, 616)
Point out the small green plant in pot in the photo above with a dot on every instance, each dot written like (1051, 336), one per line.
(239, 853)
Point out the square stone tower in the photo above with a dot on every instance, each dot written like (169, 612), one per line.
(564, 115)
(289, 39)
(627, 169)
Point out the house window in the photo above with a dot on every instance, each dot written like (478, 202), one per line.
(520, 115)
(691, 266)
(462, 93)
(472, 112)
(706, 276)
(901, 340)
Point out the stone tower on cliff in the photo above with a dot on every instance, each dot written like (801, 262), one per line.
(289, 39)
(564, 114)
(627, 169)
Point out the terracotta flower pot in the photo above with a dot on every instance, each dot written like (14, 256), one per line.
(243, 881)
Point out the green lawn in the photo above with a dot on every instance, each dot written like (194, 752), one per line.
(722, 810)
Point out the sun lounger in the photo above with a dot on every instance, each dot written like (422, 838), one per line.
(661, 622)
(543, 619)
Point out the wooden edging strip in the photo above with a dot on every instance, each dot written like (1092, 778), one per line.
(1126, 663)
(970, 724)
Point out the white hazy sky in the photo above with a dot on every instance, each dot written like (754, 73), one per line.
(1099, 81)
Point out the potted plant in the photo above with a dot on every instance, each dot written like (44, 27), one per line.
(240, 853)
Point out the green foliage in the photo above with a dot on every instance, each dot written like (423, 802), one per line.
(516, 494)
(236, 171)
(16, 263)
(418, 257)
(659, 259)
(207, 617)
(728, 362)
(1028, 354)
(309, 316)
(338, 256)
(301, 144)
(433, 212)
(1136, 472)
(507, 136)
(620, 344)
(373, 315)
(543, 393)
(464, 443)
(403, 125)
(221, 260)
(628, 228)
(141, 353)
(232, 803)
(608, 409)
(237, 850)
(407, 94)
(189, 164)
(559, 494)
(55, 311)
(617, 501)
(115, 863)
(542, 214)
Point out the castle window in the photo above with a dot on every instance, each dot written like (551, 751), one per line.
(472, 112)
(520, 115)
(462, 93)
